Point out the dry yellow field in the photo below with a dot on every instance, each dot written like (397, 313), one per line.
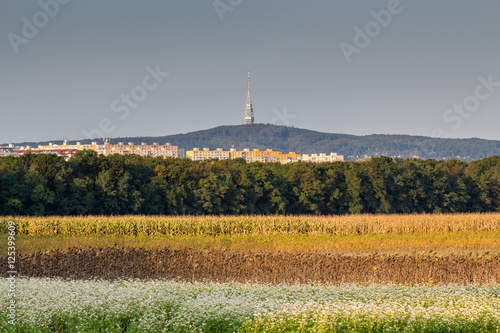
(356, 234)
(453, 242)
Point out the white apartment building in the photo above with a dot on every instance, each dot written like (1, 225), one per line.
(322, 157)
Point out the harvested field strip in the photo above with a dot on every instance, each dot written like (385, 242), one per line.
(253, 225)
(52, 305)
(276, 267)
(446, 243)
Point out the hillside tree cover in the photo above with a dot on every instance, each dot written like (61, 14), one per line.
(94, 184)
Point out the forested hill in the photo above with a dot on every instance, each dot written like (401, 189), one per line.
(282, 138)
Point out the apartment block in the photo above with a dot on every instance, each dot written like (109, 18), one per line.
(319, 158)
(254, 155)
(66, 153)
(204, 154)
(154, 150)
(265, 156)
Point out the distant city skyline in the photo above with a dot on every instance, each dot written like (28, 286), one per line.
(127, 68)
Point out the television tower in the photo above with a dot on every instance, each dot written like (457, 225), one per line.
(249, 108)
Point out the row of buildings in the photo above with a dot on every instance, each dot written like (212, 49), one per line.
(256, 155)
(67, 151)
(167, 150)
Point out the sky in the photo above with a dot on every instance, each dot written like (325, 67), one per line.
(82, 69)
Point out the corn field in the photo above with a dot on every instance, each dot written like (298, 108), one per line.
(254, 225)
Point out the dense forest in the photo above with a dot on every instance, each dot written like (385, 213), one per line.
(303, 141)
(93, 184)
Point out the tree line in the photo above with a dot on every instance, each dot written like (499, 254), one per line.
(88, 183)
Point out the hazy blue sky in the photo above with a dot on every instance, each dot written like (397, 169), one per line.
(70, 75)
